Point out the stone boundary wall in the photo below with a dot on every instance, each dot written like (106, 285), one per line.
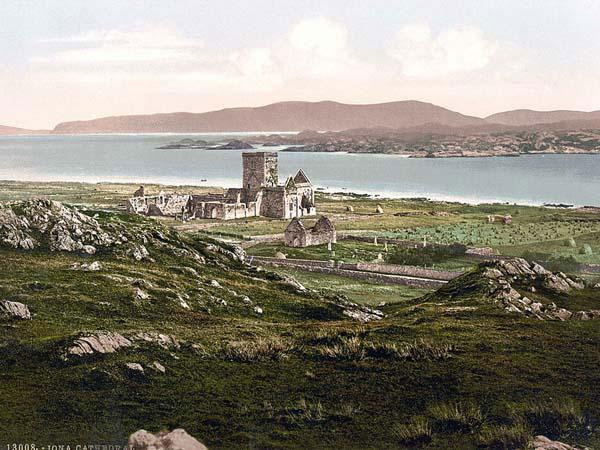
(413, 271)
(589, 268)
(330, 267)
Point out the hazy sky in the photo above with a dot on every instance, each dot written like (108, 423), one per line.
(80, 59)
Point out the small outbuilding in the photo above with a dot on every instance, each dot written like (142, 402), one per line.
(297, 235)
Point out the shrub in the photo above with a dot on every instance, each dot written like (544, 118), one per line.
(346, 348)
(586, 250)
(462, 417)
(550, 417)
(425, 350)
(417, 431)
(356, 348)
(505, 437)
(272, 349)
(305, 412)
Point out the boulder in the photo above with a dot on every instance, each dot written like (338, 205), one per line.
(100, 342)
(25, 224)
(543, 443)
(158, 367)
(14, 310)
(365, 315)
(177, 439)
(91, 267)
(138, 252)
(139, 294)
(165, 341)
(288, 280)
(134, 369)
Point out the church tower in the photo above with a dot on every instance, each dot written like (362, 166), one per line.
(259, 170)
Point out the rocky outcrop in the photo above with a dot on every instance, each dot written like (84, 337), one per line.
(177, 439)
(504, 281)
(14, 310)
(165, 341)
(87, 267)
(64, 228)
(47, 224)
(543, 443)
(88, 344)
(100, 342)
(364, 314)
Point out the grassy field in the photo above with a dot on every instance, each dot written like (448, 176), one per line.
(436, 372)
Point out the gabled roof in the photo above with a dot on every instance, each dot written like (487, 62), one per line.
(290, 184)
(323, 224)
(295, 225)
(301, 178)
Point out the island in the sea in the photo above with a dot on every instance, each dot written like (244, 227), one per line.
(439, 143)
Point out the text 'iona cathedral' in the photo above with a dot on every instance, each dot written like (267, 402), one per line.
(260, 195)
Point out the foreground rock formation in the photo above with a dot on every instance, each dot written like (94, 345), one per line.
(177, 439)
(543, 443)
(14, 310)
(65, 228)
(505, 281)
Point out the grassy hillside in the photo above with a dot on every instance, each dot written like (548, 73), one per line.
(438, 371)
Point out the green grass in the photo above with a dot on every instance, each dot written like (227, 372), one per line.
(439, 372)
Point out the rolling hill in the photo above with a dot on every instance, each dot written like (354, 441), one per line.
(11, 131)
(526, 117)
(285, 116)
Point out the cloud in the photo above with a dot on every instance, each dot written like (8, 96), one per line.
(422, 54)
(150, 45)
(316, 47)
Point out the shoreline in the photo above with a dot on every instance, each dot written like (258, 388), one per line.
(355, 193)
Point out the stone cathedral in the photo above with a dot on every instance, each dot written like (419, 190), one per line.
(260, 195)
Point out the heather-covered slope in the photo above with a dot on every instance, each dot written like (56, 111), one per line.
(187, 336)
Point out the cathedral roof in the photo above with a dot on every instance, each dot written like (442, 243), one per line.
(301, 178)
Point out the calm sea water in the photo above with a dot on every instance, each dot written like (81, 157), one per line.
(572, 179)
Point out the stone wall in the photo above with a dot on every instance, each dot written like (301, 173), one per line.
(330, 267)
(412, 271)
(273, 202)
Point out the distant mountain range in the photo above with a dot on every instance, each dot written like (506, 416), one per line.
(9, 131)
(413, 116)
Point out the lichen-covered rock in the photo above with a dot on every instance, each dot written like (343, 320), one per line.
(158, 367)
(100, 342)
(364, 314)
(65, 228)
(503, 281)
(134, 369)
(543, 443)
(138, 252)
(91, 267)
(288, 280)
(177, 439)
(14, 310)
(165, 341)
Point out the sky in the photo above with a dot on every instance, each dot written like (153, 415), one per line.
(68, 60)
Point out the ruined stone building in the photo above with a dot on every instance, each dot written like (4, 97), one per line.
(297, 235)
(260, 195)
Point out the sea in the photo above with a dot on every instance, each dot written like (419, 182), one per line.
(135, 158)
